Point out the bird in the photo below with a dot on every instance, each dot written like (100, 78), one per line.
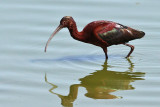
(101, 33)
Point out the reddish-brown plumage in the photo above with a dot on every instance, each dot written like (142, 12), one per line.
(100, 33)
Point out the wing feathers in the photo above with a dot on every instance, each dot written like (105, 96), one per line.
(115, 34)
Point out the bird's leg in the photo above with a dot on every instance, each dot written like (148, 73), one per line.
(132, 48)
(105, 51)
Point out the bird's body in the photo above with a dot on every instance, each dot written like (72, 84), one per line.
(100, 33)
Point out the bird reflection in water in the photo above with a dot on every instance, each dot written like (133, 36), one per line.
(101, 84)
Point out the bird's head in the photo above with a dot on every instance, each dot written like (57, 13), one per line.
(66, 21)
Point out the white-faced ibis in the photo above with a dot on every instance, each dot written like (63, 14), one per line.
(100, 33)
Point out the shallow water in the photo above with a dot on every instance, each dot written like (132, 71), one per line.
(69, 74)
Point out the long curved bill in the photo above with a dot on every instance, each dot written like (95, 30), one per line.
(57, 29)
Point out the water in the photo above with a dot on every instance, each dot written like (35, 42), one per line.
(73, 73)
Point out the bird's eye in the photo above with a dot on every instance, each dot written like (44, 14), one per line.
(64, 22)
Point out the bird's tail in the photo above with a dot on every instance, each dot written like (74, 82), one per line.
(136, 33)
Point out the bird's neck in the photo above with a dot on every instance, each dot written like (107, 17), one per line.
(74, 32)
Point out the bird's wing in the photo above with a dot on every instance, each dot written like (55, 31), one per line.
(112, 33)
